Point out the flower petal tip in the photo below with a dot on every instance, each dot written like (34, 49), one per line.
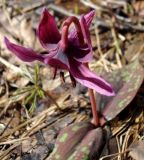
(45, 12)
(47, 31)
(109, 90)
(92, 13)
(7, 43)
(106, 92)
(25, 54)
(112, 93)
(89, 17)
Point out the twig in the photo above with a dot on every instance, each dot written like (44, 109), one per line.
(8, 150)
(34, 130)
(7, 123)
(115, 154)
(126, 23)
(53, 100)
(104, 8)
(116, 43)
(13, 141)
(99, 48)
(93, 5)
(100, 63)
(125, 141)
(27, 122)
(32, 7)
(6, 12)
(118, 145)
(11, 66)
(38, 122)
(61, 10)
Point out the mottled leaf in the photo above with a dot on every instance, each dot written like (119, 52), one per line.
(90, 147)
(68, 139)
(126, 83)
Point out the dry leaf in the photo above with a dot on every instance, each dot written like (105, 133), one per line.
(137, 150)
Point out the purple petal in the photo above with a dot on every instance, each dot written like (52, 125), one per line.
(83, 54)
(25, 54)
(88, 19)
(80, 54)
(87, 56)
(89, 79)
(47, 30)
(86, 32)
(57, 58)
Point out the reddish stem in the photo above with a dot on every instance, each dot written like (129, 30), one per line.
(95, 119)
(54, 71)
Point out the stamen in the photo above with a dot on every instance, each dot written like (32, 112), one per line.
(85, 31)
(73, 81)
(62, 77)
(54, 72)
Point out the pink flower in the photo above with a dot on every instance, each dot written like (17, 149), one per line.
(69, 50)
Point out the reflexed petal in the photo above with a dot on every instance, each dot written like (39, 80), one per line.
(47, 30)
(86, 32)
(83, 54)
(88, 18)
(89, 79)
(25, 54)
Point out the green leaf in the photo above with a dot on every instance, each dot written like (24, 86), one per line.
(34, 104)
(40, 93)
(36, 76)
(30, 98)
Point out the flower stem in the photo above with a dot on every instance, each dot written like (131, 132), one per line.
(95, 119)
